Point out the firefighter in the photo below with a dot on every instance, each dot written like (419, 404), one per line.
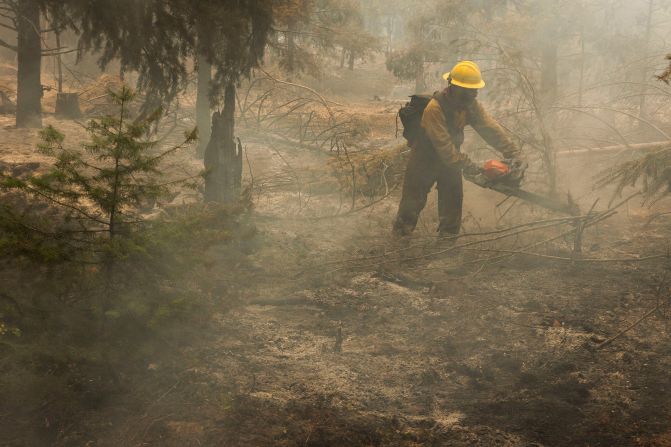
(436, 157)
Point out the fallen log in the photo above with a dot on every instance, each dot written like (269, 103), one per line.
(639, 147)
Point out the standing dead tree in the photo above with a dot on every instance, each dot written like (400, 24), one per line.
(223, 156)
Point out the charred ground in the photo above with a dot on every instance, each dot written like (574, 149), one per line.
(326, 331)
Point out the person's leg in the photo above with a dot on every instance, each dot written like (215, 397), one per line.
(450, 200)
(418, 180)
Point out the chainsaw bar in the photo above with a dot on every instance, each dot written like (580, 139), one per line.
(569, 207)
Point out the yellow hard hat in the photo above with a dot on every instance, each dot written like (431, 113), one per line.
(465, 74)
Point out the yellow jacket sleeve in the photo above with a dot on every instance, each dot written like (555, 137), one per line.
(435, 128)
(491, 131)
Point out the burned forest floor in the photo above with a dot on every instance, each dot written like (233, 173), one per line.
(333, 333)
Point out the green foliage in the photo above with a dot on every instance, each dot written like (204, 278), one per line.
(432, 31)
(157, 38)
(311, 30)
(404, 64)
(90, 286)
(86, 209)
(115, 173)
(666, 75)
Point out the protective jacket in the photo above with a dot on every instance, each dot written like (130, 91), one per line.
(444, 123)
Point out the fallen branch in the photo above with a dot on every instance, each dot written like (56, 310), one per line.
(653, 217)
(314, 92)
(588, 223)
(630, 327)
(576, 260)
(457, 247)
(555, 222)
(641, 147)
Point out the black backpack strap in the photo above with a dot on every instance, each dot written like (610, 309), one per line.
(442, 100)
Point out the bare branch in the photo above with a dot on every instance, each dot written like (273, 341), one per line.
(8, 45)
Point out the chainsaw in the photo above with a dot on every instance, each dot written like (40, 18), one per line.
(505, 176)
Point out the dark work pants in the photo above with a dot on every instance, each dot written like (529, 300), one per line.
(423, 171)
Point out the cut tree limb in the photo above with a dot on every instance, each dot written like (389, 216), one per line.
(640, 147)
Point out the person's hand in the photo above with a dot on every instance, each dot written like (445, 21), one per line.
(469, 168)
(518, 167)
(474, 173)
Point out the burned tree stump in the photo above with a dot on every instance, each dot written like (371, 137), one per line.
(223, 157)
(67, 106)
(7, 106)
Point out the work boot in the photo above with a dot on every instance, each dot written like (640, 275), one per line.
(446, 240)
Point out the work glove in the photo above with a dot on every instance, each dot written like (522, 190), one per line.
(518, 167)
(473, 172)
(467, 166)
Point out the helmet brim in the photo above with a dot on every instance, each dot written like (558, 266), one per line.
(479, 85)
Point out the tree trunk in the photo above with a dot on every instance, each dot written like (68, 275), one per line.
(390, 36)
(203, 105)
(59, 63)
(291, 46)
(549, 73)
(343, 54)
(29, 57)
(419, 77)
(581, 80)
(644, 71)
(351, 60)
(223, 157)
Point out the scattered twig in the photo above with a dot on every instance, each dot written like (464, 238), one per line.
(660, 288)
(653, 217)
(567, 259)
(630, 327)
(339, 339)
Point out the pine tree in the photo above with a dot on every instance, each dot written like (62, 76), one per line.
(309, 31)
(355, 41)
(107, 192)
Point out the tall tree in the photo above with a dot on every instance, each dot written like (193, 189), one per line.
(29, 59)
(203, 103)
(429, 35)
(23, 17)
(308, 31)
(354, 40)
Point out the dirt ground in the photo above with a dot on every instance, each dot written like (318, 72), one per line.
(407, 347)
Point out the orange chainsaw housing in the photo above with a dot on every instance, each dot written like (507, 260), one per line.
(494, 169)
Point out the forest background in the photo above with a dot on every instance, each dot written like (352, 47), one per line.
(195, 210)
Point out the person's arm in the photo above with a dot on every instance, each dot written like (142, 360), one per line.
(435, 128)
(492, 132)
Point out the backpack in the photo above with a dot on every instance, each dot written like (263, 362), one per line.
(411, 116)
